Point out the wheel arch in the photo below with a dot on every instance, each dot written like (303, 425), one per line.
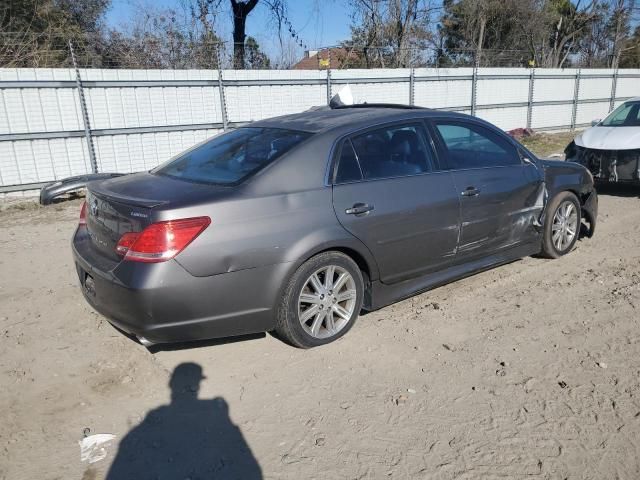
(356, 251)
(585, 213)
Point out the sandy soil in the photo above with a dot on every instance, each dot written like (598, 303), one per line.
(531, 370)
(546, 144)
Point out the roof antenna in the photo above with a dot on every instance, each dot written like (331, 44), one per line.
(342, 98)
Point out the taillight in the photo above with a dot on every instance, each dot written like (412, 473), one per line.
(161, 241)
(83, 215)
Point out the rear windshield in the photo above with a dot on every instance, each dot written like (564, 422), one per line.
(626, 115)
(231, 157)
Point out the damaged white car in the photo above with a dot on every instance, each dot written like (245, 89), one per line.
(611, 148)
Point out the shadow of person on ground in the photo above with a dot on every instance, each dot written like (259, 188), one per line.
(189, 438)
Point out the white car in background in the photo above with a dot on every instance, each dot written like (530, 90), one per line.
(610, 149)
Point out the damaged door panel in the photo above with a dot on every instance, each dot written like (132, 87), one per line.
(499, 192)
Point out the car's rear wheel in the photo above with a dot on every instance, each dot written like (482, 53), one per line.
(562, 225)
(321, 301)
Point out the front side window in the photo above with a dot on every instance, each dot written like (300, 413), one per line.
(626, 115)
(395, 151)
(473, 146)
(231, 157)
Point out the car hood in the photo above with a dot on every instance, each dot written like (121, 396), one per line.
(609, 138)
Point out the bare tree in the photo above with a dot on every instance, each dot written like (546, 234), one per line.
(35, 33)
(481, 31)
(554, 30)
(288, 54)
(367, 29)
(620, 27)
(390, 32)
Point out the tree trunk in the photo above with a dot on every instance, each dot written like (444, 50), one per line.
(238, 41)
(241, 11)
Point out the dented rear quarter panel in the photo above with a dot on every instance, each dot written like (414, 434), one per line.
(282, 215)
(254, 232)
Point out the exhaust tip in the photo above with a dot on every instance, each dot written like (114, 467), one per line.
(145, 342)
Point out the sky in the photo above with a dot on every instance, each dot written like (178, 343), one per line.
(319, 23)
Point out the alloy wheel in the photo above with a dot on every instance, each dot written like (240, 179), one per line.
(327, 301)
(564, 227)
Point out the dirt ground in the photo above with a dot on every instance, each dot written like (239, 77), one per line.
(530, 370)
(547, 144)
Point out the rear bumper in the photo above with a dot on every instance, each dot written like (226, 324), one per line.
(50, 191)
(164, 303)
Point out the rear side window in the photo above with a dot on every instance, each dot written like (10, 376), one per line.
(473, 146)
(395, 151)
(231, 157)
(348, 166)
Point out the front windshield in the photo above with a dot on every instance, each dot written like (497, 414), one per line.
(626, 115)
(231, 157)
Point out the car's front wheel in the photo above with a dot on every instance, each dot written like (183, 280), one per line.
(321, 301)
(562, 225)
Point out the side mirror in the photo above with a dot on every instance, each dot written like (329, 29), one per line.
(595, 122)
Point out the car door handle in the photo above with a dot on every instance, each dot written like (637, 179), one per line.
(471, 192)
(359, 209)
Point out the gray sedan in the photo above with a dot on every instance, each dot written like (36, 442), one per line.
(297, 224)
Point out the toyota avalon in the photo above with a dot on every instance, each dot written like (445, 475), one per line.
(299, 223)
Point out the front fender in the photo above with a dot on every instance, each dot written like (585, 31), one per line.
(563, 176)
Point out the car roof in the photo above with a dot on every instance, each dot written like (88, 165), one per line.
(322, 119)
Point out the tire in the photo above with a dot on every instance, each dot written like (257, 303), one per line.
(555, 245)
(303, 313)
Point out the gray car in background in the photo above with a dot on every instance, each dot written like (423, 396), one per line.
(298, 223)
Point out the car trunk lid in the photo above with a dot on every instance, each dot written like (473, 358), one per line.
(127, 204)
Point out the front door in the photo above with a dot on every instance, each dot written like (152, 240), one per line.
(500, 194)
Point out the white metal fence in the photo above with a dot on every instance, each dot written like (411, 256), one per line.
(56, 123)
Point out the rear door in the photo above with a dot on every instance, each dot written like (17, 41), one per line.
(389, 193)
(499, 192)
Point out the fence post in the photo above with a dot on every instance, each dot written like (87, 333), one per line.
(85, 113)
(474, 84)
(614, 87)
(223, 100)
(576, 93)
(412, 85)
(328, 76)
(532, 80)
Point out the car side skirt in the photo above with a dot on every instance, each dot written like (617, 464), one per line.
(383, 295)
